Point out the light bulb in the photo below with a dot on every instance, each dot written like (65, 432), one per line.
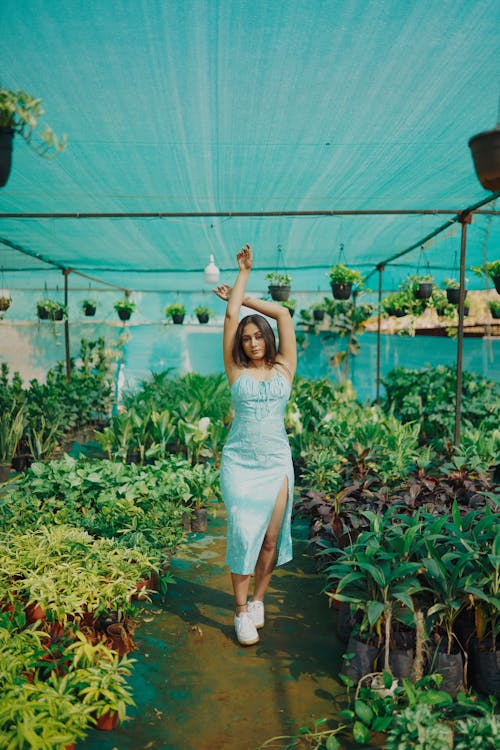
(211, 272)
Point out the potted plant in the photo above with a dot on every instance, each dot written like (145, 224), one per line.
(124, 308)
(279, 285)
(290, 304)
(203, 313)
(176, 311)
(397, 303)
(494, 306)
(89, 307)
(485, 149)
(49, 309)
(452, 287)
(318, 311)
(491, 271)
(5, 300)
(423, 286)
(342, 280)
(20, 113)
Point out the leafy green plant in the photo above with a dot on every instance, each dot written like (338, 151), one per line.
(12, 423)
(494, 306)
(176, 308)
(341, 274)
(51, 309)
(22, 112)
(489, 270)
(202, 310)
(277, 278)
(126, 305)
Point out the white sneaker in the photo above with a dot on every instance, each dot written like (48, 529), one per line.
(246, 632)
(256, 612)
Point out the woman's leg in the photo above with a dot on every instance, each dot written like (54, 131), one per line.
(240, 587)
(268, 553)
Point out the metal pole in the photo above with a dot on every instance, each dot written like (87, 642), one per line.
(464, 219)
(66, 273)
(380, 272)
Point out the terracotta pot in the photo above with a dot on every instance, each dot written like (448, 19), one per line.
(279, 293)
(34, 612)
(108, 721)
(119, 639)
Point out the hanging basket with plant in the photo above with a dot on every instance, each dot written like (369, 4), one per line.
(342, 280)
(124, 308)
(203, 313)
(490, 270)
(49, 309)
(176, 312)
(485, 149)
(290, 305)
(89, 307)
(20, 113)
(279, 285)
(5, 301)
(452, 287)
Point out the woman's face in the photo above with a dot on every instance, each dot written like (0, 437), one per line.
(253, 342)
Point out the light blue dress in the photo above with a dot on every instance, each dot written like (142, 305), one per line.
(255, 461)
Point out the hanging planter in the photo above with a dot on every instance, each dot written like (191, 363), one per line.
(89, 307)
(5, 302)
(453, 291)
(342, 280)
(490, 271)
(176, 312)
(203, 314)
(124, 308)
(19, 113)
(485, 149)
(494, 309)
(6, 143)
(423, 288)
(279, 285)
(48, 309)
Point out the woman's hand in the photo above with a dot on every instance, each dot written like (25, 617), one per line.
(245, 258)
(223, 291)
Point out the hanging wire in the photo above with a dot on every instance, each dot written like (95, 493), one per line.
(342, 258)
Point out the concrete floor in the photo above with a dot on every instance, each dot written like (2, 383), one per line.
(196, 688)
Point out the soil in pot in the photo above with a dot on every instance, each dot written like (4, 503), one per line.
(279, 293)
(341, 291)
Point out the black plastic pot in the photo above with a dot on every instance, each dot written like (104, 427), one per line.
(318, 314)
(341, 291)
(124, 314)
(178, 319)
(495, 314)
(453, 296)
(485, 669)
(496, 281)
(401, 663)
(6, 143)
(199, 520)
(89, 310)
(42, 313)
(485, 149)
(424, 290)
(279, 293)
(451, 667)
(363, 661)
(203, 318)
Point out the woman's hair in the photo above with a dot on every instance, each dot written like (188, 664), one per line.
(239, 356)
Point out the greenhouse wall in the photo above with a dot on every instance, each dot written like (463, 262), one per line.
(31, 348)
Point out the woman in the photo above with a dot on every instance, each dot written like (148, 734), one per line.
(256, 467)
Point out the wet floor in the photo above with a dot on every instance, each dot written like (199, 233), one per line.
(196, 688)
